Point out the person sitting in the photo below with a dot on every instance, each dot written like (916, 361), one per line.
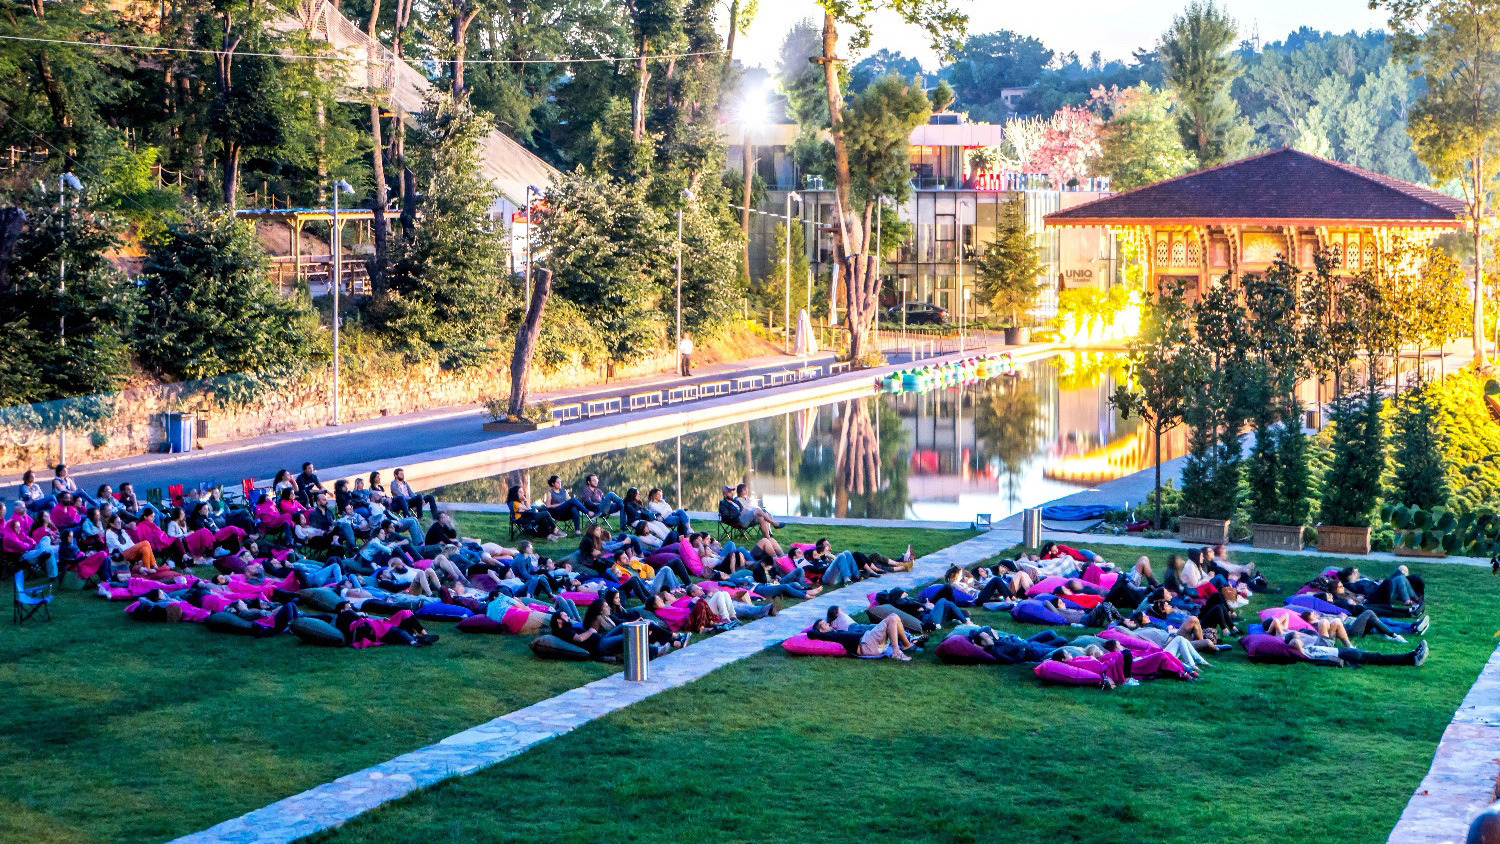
(63, 483)
(600, 503)
(676, 519)
(30, 493)
(124, 548)
(562, 506)
(536, 521)
(307, 484)
(67, 517)
(381, 548)
(403, 499)
(733, 512)
(130, 508)
(36, 549)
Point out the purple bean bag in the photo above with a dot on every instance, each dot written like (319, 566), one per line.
(1293, 620)
(435, 611)
(1309, 602)
(801, 645)
(1045, 586)
(480, 624)
(661, 558)
(959, 598)
(1036, 612)
(958, 650)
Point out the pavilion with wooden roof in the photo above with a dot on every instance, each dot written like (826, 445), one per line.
(1241, 217)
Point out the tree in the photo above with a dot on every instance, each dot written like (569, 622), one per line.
(71, 331)
(526, 339)
(609, 254)
(1200, 68)
(1216, 379)
(1420, 478)
(878, 64)
(209, 309)
(771, 291)
(1069, 147)
(1351, 486)
(448, 295)
(1008, 271)
(942, 97)
(1455, 126)
(986, 63)
(881, 133)
(1159, 372)
(1140, 145)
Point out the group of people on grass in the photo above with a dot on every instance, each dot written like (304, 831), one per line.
(374, 563)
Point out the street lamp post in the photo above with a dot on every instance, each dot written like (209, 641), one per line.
(787, 257)
(689, 196)
(66, 180)
(339, 186)
(961, 297)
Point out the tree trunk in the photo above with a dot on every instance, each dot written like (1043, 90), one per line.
(851, 235)
(638, 101)
(461, 22)
(1156, 519)
(12, 221)
(320, 149)
(748, 168)
(526, 337)
(58, 106)
(734, 23)
(1479, 353)
(380, 228)
(229, 171)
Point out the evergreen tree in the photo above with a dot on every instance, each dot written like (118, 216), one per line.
(1200, 68)
(1140, 143)
(770, 291)
(71, 311)
(1351, 487)
(448, 294)
(1008, 271)
(1420, 478)
(1160, 369)
(209, 309)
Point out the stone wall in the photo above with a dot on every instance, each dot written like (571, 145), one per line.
(136, 427)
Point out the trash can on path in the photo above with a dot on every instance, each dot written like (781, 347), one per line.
(637, 651)
(180, 430)
(1031, 528)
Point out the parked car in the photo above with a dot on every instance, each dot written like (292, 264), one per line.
(919, 313)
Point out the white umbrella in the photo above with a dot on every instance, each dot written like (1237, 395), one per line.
(807, 344)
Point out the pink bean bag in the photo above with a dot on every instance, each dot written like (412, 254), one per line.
(801, 645)
(799, 547)
(582, 599)
(214, 602)
(481, 624)
(1134, 645)
(1293, 620)
(690, 557)
(1158, 663)
(515, 620)
(1096, 576)
(1066, 673)
(421, 564)
(784, 564)
(1045, 586)
(87, 566)
(377, 627)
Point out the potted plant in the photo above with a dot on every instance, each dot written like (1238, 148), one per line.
(1351, 487)
(1214, 376)
(1007, 273)
(1423, 533)
(534, 418)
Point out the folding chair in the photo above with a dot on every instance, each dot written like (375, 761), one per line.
(28, 601)
(153, 497)
(174, 491)
(732, 530)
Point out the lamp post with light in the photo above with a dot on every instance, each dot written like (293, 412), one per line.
(339, 186)
(689, 196)
(787, 257)
(66, 181)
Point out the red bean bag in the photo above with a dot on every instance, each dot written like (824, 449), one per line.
(958, 650)
(1084, 602)
(88, 566)
(801, 645)
(1158, 663)
(480, 624)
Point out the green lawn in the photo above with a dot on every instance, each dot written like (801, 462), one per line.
(121, 731)
(779, 748)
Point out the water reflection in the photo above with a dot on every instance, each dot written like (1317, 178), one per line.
(992, 447)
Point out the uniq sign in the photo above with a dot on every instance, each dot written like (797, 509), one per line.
(1081, 276)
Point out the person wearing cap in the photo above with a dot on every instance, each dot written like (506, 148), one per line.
(732, 510)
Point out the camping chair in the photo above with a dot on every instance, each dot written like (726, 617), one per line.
(28, 601)
(732, 530)
(174, 492)
(153, 497)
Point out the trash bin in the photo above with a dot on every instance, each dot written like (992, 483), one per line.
(637, 651)
(180, 430)
(1031, 528)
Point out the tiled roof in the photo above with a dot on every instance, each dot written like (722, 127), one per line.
(1285, 186)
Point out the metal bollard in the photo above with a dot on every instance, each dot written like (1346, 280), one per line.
(1031, 528)
(637, 651)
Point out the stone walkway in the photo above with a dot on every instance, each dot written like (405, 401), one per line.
(334, 803)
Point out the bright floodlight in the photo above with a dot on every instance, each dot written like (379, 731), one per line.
(754, 110)
(343, 186)
(688, 195)
(72, 181)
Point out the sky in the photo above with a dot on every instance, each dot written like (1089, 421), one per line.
(1113, 27)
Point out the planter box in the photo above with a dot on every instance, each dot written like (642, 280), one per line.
(1016, 335)
(1276, 537)
(1401, 551)
(502, 427)
(1344, 540)
(1202, 531)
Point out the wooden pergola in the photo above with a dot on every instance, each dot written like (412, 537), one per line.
(1241, 217)
(354, 273)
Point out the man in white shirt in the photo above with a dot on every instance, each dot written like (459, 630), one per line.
(685, 354)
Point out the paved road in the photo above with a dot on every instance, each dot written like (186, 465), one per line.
(360, 442)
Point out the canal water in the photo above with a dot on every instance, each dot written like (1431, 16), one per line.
(950, 454)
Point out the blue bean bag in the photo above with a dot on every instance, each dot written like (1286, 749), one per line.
(959, 598)
(1036, 612)
(228, 622)
(480, 624)
(313, 631)
(551, 647)
(1310, 602)
(320, 598)
(958, 650)
(435, 611)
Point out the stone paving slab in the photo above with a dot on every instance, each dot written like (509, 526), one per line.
(1462, 780)
(331, 804)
